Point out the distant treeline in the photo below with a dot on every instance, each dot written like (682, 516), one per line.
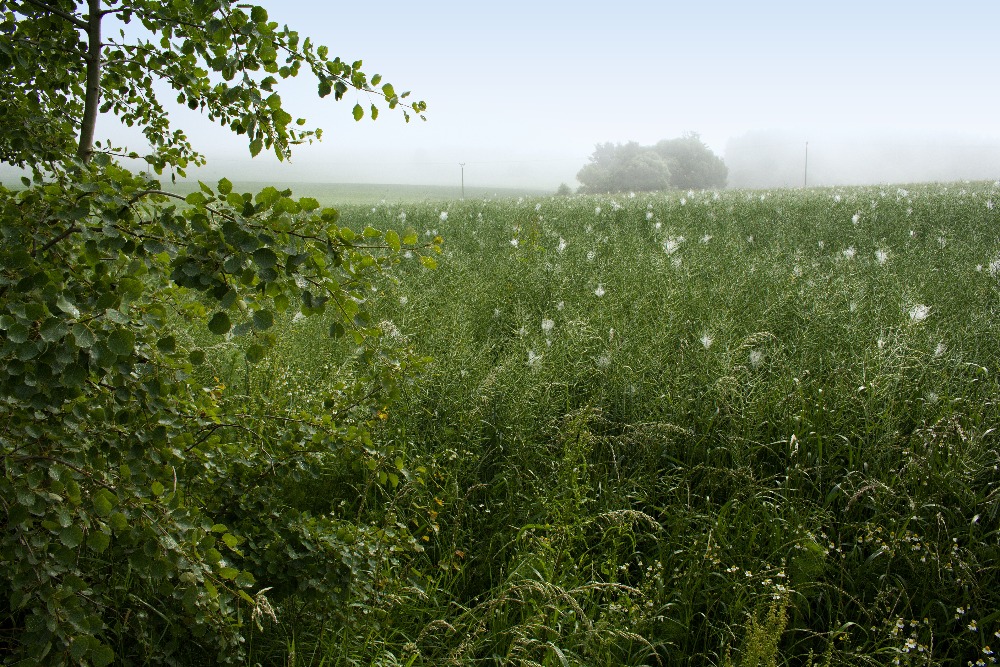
(683, 163)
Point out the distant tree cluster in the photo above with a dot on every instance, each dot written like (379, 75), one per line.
(683, 163)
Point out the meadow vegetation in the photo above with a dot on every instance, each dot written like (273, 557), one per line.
(684, 428)
(748, 428)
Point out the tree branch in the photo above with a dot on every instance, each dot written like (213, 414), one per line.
(75, 20)
(93, 98)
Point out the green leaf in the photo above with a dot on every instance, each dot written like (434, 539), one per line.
(359, 112)
(67, 306)
(410, 238)
(18, 333)
(104, 502)
(196, 199)
(83, 336)
(121, 342)
(265, 258)
(167, 344)
(228, 572)
(225, 187)
(102, 656)
(220, 323)
(392, 239)
(156, 488)
(118, 522)
(197, 356)
(263, 319)
(98, 541)
(255, 353)
(71, 536)
(231, 540)
(52, 330)
(267, 53)
(245, 579)
(428, 261)
(258, 14)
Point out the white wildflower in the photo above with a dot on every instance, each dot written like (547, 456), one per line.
(562, 245)
(390, 331)
(849, 253)
(547, 325)
(649, 215)
(591, 255)
(706, 238)
(597, 210)
(706, 340)
(756, 356)
(599, 291)
(560, 305)
(513, 243)
(443, 216)
(534, 360)
(856, 218)
(604, 360)
(940, 349)
(403, 300)
(672, 244)
(881, 256)
(919, 313)
(538, 207)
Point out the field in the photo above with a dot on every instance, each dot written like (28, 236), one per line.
(698, 428)
(340, 194)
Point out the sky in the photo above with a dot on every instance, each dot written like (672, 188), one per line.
(882, 90)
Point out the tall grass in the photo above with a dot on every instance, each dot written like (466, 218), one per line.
(689, 428)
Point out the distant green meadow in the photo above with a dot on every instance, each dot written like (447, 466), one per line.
(339, 194)
(686, 428)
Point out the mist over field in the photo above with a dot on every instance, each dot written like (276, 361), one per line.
(884, 93)
(767, 159)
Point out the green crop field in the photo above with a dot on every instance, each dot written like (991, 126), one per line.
(339, 194)
(702, 428)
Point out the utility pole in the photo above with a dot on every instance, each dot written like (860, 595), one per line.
(462, 165)
(805, 173)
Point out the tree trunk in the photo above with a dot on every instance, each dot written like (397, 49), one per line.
(93, 99)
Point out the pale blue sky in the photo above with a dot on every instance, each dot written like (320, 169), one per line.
(521, 91)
